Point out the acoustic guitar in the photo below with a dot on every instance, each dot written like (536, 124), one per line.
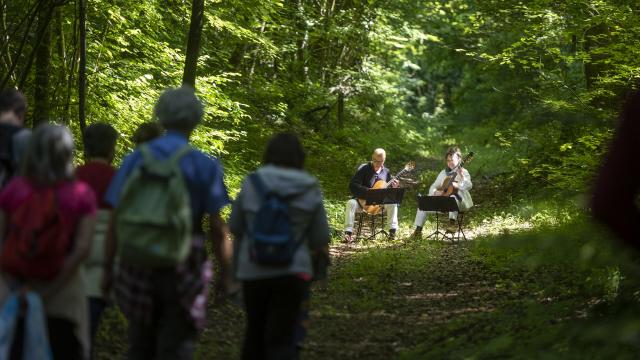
(447, 185)
(381, 184)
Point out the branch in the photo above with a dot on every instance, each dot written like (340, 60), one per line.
(23, 42)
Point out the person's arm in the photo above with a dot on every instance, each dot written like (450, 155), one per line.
(392, 182)
(433, 190)
(237, 217)
(20, 143)
(464, 180)
(237, 226)
(219, 235)
(355, 185)
(110, 246)
(80, 251)
(319, 238)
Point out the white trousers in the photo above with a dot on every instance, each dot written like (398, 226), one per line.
(421, 216)
(350, 215)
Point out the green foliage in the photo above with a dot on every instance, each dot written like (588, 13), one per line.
(532, 87)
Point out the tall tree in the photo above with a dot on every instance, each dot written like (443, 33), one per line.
(193, 43)
(82, 69)
(41, 101)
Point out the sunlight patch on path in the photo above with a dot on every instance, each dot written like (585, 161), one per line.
(408, 305)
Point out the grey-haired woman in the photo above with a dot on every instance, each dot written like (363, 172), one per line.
(47, 173)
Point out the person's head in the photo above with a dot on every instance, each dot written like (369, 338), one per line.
(100, 141)
(145, 132)
(453, 156)
(179, 109)
(284, 150)
(13, 106)
(377, 158)
(49, 156)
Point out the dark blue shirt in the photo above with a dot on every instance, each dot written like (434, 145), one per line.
(364, 179)
(202, 173)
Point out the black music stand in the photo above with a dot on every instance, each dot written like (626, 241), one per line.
(382, 197)
(442, 205)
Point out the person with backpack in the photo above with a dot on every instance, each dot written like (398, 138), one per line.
(48, 201)
(161, 194)
(97, 171)
(280, 229)
(13, 136)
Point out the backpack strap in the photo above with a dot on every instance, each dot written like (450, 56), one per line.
(258, 184)
(146, 153)
(147, 156)
(180, 153)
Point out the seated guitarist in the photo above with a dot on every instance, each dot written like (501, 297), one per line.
(364, 179)
(461, 186)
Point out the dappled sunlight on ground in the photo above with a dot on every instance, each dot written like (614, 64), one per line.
(383, 316)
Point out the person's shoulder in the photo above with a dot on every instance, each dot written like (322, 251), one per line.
(365, 167)
(133, 156)
(22, 133)
(204, 158)
(17, 182)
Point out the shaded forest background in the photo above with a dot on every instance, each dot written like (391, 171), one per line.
(532, 87)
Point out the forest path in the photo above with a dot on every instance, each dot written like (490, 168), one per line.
(382, 298)
(402, 306)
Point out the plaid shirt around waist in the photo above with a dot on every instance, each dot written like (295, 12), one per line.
(135, 292)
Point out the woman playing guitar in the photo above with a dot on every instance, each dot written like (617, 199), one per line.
(453, 181)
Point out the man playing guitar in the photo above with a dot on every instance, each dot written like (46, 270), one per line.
(366, 176)
(459, 183)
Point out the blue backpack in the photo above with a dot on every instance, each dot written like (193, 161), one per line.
(272, 238)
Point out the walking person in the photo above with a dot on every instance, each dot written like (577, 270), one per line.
(278, 201)
(14, 138)
(161, 195)
(97, 171)
(45, 199)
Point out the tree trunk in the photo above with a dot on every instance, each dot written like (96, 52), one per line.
(82, 68)
(41, 106)
(254, 60)
(302, 42)
(30, 18)
(193, 43)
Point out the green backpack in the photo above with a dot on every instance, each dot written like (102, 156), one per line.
(153, 217)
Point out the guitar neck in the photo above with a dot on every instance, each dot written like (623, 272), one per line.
(395, 177)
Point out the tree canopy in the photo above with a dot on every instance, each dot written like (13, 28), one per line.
(533, 87)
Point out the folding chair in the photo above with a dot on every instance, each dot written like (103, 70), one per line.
(387, 196)
(375, 223)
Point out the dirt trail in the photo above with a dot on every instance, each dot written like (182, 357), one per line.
(452, 286)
